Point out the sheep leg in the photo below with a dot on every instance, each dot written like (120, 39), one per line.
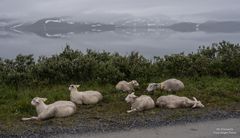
(79, 102)
(171, 106)
(31, 118)
(133, 110)
(46, 114)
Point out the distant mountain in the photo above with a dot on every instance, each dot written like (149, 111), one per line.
(183, 27)
(59, 27)
(139, 22)
(5, 21)
(210, 27)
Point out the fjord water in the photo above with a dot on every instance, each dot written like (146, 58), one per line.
(148, 41)
(143, 26)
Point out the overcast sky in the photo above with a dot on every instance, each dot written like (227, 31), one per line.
(35, 9)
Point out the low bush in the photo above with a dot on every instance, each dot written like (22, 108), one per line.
(219, 59)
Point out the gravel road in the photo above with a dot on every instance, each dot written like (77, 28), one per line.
(208, 129)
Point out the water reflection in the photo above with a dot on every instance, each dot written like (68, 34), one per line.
(45, 37)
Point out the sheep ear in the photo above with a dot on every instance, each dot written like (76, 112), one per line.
(195, 99)
(160, 85)
(44, 99)
(77, 86)
(195, 104)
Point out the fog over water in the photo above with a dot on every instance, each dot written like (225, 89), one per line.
(153, 27)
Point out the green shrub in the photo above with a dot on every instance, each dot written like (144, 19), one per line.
(219, 59)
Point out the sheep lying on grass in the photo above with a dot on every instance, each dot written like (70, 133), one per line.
(85, 97)
(167, 85)
(56, 109)
(173, 101)
(127, 86)
(141, 103)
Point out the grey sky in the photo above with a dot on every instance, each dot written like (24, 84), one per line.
(35, 9)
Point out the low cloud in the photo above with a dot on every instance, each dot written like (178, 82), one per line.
(35, 9)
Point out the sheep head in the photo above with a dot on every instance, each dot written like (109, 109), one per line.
(37, 100)
(134, 83)
(197, 104)
(73, 87)
(130, 98)
(152, 87)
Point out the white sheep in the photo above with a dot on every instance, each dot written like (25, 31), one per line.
(56, 109)
(170, 85)
(127, 86)
(84, 97)
(141, 103)
(173, 101)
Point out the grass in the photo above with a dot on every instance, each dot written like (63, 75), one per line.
(214, 92)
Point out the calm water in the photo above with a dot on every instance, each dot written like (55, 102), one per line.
(149, 42)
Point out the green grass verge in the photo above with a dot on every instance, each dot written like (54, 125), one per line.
(15, 103)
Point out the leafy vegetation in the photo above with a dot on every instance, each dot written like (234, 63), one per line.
(220, 59)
